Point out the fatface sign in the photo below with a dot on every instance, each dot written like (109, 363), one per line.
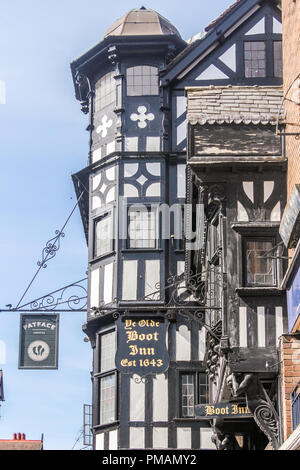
(142, 348)
(38, 341)
(225, 410)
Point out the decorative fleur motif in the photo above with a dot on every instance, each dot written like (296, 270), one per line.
(106, 124)
(142, 117)
(51, 248)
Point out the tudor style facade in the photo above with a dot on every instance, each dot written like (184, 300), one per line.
(133, 85)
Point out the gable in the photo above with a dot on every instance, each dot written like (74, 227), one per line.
(223, 61)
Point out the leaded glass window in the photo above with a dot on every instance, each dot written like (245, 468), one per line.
(259, 262)
(142, 228)
(108, 399)
(255, 59)
(107, 351)
(103, 238)
(105, 91)
(142, 80)
(187, 395)
(277, 49)
(107, 377)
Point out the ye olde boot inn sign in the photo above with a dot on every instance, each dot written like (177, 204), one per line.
(142, 348)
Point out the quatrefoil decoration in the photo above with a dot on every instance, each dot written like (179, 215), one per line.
(142, 117)
(106, 124)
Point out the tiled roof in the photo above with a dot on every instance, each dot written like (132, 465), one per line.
(234, 104)
(19, 442)
(228, 10)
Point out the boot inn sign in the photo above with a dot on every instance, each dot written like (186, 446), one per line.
(173, 123)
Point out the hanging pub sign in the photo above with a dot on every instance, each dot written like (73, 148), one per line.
(224, 410)
(142, 347)
(38, 341)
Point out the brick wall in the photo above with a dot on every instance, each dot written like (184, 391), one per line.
(291, 68)
(290, 375)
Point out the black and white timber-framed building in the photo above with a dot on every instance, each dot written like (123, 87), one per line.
(170, 123)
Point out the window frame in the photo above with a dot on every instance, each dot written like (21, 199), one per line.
(141, 208)
(263, 238)
(196, 378)
(113, 92)
(265, 58)
(134, 94)
(106, 373)
(104, 214)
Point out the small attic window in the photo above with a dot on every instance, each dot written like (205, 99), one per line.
(142, 80)
(255, 59)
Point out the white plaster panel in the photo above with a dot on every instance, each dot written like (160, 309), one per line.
(160, 438)
(242, 215)
(248, 189)
(108, 283)
(183, 344)
(202, 339)
(137, 400)
(160, 398)
(153, 190)
(129, 291)
(153, 144)
(259, 28)
(111, 195)
(276, 213)
(180, 105)
(279, 323)
(184, 438)
(113, 440)
(153, 168)
(131, 144)
(261, 327)
(130, 169)
(100, 441)
(97, 155)
(205, 439)
(277, 26)
(152, 275)
(243, 327)
(181, 181)
(94, 293)
(212, 73)
(181, 131)
(268, 189)
(136, 438)
(111, 147)
(130, 191)
(229, 58)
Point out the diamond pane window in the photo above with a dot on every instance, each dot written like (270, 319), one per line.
(142, 80)
(255, 59)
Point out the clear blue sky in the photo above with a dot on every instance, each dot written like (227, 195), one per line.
(42, 142)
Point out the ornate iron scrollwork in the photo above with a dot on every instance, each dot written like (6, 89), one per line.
(74, 296)
(51, 248)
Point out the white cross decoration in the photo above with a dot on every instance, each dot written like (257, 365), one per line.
(102, 129)
(142, 117)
